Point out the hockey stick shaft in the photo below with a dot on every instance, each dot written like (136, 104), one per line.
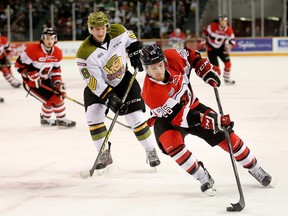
(81, 104)
(241, 204)
(91, 171)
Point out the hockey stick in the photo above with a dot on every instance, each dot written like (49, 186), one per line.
(71, 99)
(86, 174)
(241, 204)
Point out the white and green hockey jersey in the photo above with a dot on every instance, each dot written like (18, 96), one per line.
(104, 65)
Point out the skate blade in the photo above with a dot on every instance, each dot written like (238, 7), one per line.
(211, 192)
(104, 171)
(48, 125)
(64, 127)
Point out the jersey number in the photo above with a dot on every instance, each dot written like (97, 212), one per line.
(92, 81)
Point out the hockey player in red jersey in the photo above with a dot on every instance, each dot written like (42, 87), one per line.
(177, 112)
(5, 62)
(177, 39)
(220, 39)
(39, 66)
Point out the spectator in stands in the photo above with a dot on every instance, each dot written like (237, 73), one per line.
(177, 39)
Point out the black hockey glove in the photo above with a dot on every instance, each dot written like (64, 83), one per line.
(114, 103)
(134, 54)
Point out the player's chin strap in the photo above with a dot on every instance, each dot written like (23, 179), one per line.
(75, 101)
(241, 204)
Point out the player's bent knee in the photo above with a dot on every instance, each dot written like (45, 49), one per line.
(236, 143)
(171, 140)
(55, 99)
(227, 66)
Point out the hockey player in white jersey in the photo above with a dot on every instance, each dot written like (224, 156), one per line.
(102, 62)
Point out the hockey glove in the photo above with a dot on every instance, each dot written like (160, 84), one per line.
(211, 120)
(134, 54)
(114, 103)
(61, 88)
(208, 72)
(33, 79)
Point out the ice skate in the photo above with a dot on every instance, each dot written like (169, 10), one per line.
(152, 158)
(207, 182)
(229, 81)
(261, 176)
(65, 123)
(104, 161)
(14, 83)
(46, 122)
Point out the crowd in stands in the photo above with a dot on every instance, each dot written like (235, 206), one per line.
(19, 16)
(124, 12)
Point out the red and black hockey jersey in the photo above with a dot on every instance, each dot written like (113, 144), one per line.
(4, 46)
(173, 99)
(216, 36)
(36, 58)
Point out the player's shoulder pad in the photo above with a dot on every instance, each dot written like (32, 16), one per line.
(58, 52)
(31, 46)
(170, 53)
(116, 29)
(32, 49)
(85, 49)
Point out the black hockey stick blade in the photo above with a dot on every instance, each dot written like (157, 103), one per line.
(237, 206)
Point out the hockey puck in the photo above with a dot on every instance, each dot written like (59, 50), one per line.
(1, 100)
(230, 209)
(84, 174)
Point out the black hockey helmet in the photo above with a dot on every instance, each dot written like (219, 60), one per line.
(151, 54)
(222, 17)
(49, 31)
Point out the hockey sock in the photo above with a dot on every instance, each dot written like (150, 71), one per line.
(46, 111)
(98, 133)
(143, 134)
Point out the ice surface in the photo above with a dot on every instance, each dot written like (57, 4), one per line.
(40, 167)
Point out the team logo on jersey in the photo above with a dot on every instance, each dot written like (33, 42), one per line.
(114, 67)
(48, 58)
(184, 100)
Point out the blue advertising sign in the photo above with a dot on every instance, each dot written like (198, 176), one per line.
(283, 43)
(256, 44)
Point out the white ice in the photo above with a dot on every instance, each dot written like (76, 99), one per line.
(40, 167)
